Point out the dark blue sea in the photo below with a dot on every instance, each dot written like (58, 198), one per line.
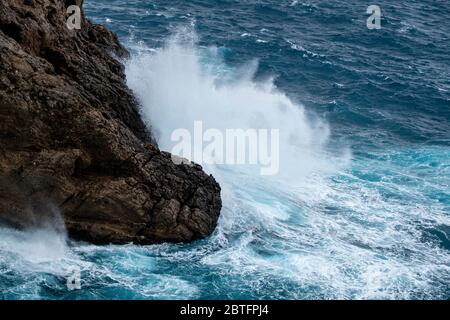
(361, 207)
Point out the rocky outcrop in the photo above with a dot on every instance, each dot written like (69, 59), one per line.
(72, 140)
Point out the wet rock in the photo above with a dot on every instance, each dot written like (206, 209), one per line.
(71, 138)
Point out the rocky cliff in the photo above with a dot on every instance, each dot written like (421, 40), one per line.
(72, 140)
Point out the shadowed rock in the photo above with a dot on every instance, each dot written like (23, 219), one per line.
(71, 138)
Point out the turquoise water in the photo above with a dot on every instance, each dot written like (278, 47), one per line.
(361, 207)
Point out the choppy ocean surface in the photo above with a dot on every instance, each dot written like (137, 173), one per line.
(361, 208)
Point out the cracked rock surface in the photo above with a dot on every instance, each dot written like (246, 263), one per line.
(72, 142)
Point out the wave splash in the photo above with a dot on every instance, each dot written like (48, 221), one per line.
(183, 83)
(315, 231)
(324, 228)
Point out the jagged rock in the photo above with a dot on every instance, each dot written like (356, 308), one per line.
(72, 140)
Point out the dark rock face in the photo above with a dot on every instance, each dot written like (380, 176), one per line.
(72, 140)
